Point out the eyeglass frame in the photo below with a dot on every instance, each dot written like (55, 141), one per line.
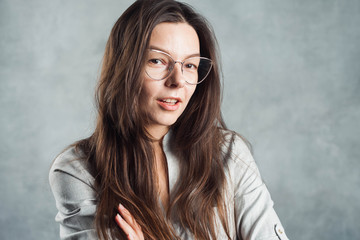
(182, 66)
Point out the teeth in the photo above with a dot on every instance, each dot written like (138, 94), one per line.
(171, 101)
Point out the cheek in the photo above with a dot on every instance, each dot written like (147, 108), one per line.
(145, 99)
(190, 92)
(148, 90)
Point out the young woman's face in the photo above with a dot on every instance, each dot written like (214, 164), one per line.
(165, 100)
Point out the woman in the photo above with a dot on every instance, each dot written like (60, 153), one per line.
(161, 163)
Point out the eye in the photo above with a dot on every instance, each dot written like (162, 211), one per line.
(157, 61)
(191, 66)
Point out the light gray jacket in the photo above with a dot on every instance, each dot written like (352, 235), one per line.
(251, 213)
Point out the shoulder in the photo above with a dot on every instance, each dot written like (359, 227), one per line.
(73, 163)
(240, 166)
(236, 149)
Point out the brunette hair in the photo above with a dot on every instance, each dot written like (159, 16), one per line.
(120, 151)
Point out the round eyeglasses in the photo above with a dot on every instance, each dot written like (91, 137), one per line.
(159, 66)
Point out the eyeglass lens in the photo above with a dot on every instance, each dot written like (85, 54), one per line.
(159, 66)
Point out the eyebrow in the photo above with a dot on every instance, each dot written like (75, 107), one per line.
(163, 50)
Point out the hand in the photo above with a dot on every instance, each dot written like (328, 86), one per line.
(128, 224)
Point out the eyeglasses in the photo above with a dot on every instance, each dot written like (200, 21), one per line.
(159, 66)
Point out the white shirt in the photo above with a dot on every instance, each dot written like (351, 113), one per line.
(250, 209)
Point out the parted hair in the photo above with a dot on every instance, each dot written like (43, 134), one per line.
(120, 150)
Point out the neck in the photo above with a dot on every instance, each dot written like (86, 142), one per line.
(157, 132)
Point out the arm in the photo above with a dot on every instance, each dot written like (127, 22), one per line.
(255, 216)
(75, 197)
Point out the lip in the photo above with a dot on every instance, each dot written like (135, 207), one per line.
(167, 106)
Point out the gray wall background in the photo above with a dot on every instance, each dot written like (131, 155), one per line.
(292, 81)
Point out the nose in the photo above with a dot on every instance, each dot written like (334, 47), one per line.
(176, 78)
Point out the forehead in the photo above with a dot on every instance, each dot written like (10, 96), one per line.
(177, 39)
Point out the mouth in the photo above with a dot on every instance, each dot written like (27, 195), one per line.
(169, 101)
(169, 104)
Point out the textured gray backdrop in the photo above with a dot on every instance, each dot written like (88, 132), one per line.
(292, 84)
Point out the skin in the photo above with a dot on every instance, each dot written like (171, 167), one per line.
(181, 42)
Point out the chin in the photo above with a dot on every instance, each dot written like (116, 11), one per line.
(168, 123)
(165, 120)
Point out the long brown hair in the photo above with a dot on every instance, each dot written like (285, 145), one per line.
(120, 151)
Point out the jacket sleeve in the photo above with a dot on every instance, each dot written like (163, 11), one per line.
(255, 217)
(75, 197)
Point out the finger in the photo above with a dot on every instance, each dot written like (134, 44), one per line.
(128, 218)
(125, 227)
